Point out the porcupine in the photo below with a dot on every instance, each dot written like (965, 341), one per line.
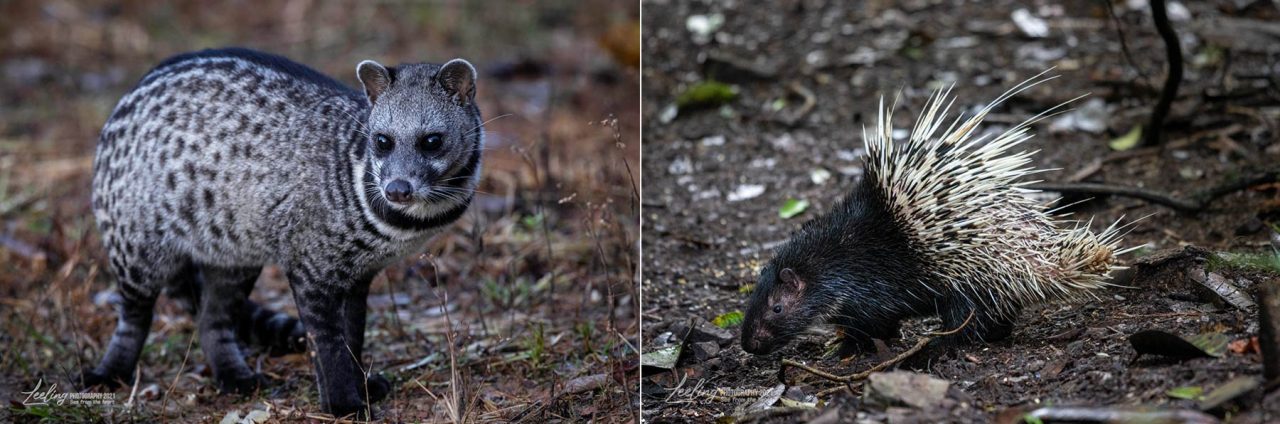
(222, 161)
(942, 224)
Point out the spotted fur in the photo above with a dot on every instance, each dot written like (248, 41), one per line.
(942, 224)
(220, 162)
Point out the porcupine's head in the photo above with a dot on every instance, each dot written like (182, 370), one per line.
(832, 264)
(780, 308)
(424, 133)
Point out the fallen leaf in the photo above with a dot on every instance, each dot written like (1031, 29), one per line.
(1186, 392)
(746, 191)
(256, 416)
(819, 176)
(706, 94)
(792, 207)
(585, 383)
(728, 319)
(1245, 345)
(1127, 141)
(664, 358)
(768, 398)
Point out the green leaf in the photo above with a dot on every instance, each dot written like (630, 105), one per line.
(727, 320)
(778, 104)
(746, 288)
(1186, 392)
(532, 222)
(792, 207)
(706, 94)
(1127, 141)
(1031, 419)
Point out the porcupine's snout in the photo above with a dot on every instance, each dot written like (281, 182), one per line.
(758, 341)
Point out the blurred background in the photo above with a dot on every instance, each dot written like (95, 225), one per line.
(541, 316)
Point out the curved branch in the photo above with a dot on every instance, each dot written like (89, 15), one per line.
(1154, 131)
(1116, 190)
(846, 379)
(1197, 203)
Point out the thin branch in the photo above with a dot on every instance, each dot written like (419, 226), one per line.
(1197, 203)
(1124, 44)
(846, 379)
(1154, 131)
(1117, 190)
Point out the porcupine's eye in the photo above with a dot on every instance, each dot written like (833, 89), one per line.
(777, 309)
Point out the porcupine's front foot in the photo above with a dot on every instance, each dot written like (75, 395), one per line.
(859, 338)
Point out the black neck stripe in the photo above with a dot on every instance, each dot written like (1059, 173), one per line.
(456, 179)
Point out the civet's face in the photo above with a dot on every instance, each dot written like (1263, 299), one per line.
(424, 132)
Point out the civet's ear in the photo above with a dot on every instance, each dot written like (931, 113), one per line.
(458, 77)
(790, 280)
(375, 78)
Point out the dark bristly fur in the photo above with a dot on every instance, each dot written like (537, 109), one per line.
(220, 162)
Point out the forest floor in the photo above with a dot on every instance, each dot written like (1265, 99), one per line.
(527, 309)
(804, 77)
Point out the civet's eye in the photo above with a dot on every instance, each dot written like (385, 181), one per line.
(777, 309)
(383, 143)
(431, 142)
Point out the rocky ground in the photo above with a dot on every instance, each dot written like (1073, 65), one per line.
(749, 107)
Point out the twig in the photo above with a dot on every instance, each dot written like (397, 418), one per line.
(1154, 131)
(190, 341)
(364, 376)
(1198, 202)
(810, 100)
(290, 412)
(1124, 44)
(846, 379)
(137, 376)
(454, 404)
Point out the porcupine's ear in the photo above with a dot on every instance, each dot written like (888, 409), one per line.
(791, 281)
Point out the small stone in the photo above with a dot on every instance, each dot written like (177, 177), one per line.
(917, 390)
(703, 331)
(704, 351)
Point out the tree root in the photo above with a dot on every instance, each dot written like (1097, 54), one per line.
(848, 380)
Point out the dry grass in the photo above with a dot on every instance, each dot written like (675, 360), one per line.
(532, 294)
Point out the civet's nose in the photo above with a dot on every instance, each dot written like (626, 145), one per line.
(398, 191)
